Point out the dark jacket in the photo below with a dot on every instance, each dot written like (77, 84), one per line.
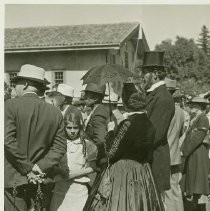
(133, 139)
(160, 109)
(34, 134)
(96, 129)
(195, 152)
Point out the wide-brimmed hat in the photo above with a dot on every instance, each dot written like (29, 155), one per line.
(63, 89)
(199, 99)
(153, 59)
(171, 84)
(120, 103)
(95, 88)
(113, 99)
(31, 73)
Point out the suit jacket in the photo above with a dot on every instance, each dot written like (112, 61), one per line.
(96, 129)
(175, 131)
(34, 134)
(160, 108)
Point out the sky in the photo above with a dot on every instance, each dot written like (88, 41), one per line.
(158, 21)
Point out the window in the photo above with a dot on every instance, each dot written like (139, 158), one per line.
(113, 59)
(126, 59)
(133, 56)
(58, 77)
(11, 76)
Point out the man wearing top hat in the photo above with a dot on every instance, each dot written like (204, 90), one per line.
(160, 110)
(34, 138)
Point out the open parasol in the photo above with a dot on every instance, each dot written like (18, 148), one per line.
(104, 74)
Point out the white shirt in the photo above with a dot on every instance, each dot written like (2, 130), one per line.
(64, 111)
(156, 85)
(75, 161)
(75, 158)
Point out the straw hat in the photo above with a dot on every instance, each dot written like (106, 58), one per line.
(171, 84)
(199, 99)
(32, 73)
(113, 98)
(64, 89)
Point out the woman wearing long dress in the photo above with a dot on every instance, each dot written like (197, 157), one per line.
(127, 183)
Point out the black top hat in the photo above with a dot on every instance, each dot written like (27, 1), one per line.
(153, 59)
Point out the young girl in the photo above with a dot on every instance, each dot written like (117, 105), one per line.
(71, 192)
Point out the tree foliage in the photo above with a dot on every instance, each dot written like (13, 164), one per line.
(204, 39)
(186, 63)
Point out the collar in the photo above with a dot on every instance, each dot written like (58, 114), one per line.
(72, 142)
(156, 85)
(127, 114)
(29, 93)
(89, 116)
(64, 111)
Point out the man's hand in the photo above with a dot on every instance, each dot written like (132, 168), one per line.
(36, 175)
(37, 170)
(34, 178)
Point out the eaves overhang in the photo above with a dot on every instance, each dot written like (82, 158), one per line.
(62, 48)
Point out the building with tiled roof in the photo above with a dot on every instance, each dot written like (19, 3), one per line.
(67, 52)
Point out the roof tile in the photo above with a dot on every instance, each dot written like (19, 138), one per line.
(74, 35)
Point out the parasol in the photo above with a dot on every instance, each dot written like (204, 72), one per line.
(102, 74)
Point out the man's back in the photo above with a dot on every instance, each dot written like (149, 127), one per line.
(160, 109)
(34, 133)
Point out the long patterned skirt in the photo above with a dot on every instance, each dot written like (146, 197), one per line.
(132, 188)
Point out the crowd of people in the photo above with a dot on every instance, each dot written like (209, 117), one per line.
(149, 152)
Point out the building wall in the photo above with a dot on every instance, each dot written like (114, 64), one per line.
(120, 55)
(69, 61)
(55, 61)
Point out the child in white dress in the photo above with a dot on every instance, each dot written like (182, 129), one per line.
(71, 191)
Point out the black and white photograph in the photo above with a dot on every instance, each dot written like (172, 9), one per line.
(106, 106)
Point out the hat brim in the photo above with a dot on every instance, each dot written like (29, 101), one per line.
(172, 88)
(46, 88)
(17, 78)
(95, 92)
(79, 103)
(199, 102)
(52, 92)
(109, 102)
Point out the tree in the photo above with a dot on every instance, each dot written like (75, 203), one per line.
(186, 63)
(204, 39)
